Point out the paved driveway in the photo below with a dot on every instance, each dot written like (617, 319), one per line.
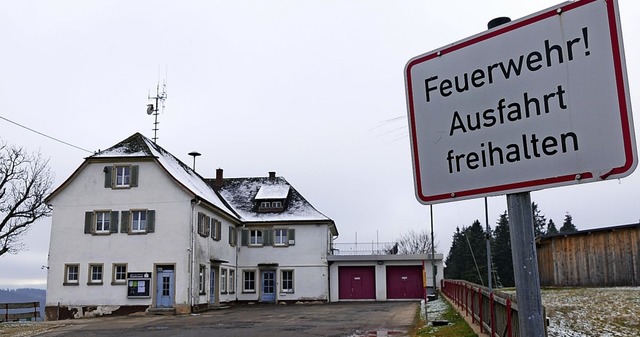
(353, 319)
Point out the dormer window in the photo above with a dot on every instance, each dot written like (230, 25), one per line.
(271, 198)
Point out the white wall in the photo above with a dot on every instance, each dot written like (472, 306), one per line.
(167, 245)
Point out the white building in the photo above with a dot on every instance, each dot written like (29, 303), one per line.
(135, 229)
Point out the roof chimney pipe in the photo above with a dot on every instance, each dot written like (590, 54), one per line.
(272, 175)
(219, 178)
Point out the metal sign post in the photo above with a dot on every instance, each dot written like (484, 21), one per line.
(525, 265)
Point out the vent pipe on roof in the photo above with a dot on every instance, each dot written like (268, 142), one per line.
(272, 175)
(194, 154)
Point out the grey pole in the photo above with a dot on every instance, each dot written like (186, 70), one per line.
(433, 255)
(525, 265)
(486, 219)
(523, 252)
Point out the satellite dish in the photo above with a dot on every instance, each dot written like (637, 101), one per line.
(149, 109)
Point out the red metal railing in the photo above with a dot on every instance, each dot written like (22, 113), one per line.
(496, 312)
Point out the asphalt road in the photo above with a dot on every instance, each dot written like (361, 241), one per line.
(351, 319)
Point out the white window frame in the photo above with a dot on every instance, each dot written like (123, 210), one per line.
(265, 204)
(116, 273)
(276, 204)
(256, 237)
(122, 176)
(286, 284)
(232, 281)
(102, 223)
(223, 280)
(68, 268)
(138, 225)
(96, 273)
(251, 289)
(202, 288)
(281, 239)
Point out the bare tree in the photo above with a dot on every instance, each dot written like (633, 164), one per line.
(25, 181)
(412, 242)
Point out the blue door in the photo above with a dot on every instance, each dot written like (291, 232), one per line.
(268, 286)
(212, 287)
(165, 287)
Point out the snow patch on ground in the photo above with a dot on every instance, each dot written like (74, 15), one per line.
(605, 312)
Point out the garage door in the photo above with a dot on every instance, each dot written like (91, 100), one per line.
(404, 282)
(357, 283)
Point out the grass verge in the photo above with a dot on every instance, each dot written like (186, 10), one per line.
(457, 327)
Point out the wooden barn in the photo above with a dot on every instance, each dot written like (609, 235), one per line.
(600, 257)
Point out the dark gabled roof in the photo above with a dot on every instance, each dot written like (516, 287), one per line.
(135, 146)
(240, 193)
(236, 196)
(138, 146)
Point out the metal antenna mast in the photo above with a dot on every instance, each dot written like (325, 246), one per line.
(153, 109)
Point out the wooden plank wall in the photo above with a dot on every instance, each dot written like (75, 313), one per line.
(599, 258)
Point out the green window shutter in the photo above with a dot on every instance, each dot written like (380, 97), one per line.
(88, 222)
(267, 237)
(291, 236)
(134, 176)
(151, 221)
(113, 226)
(218, 230)
(245, 237)
(108, 176)
(124, 223)
(231, 235)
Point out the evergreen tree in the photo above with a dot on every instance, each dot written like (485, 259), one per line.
(539, 221)
(460, 260)
(476, 271)
(567, 225)
(455, 260)
(501, 252)
(551, 228)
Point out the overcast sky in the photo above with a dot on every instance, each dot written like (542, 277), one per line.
(313, 90)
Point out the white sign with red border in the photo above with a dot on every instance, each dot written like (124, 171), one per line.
(539, 102)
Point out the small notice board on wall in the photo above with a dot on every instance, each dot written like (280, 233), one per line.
(138, 285)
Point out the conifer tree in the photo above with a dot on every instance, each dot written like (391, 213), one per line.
(567, 225)
(501, 252)
(539, 221)
(551, 228)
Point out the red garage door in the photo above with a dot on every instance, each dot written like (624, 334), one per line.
(404, 282)
(357, 283)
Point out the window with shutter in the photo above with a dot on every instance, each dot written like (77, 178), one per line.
(292, 236)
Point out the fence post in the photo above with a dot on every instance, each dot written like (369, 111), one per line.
(35, 311)
(480, 305)
(509, 318)
(493, 315)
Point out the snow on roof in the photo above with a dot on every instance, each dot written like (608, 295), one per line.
(134, 146)
(240, 194)
(140, 146)
(236, 197)
(272, 192)
(186, 176)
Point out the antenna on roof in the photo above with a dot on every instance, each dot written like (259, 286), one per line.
(152, 109)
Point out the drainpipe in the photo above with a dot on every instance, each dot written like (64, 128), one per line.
(194, 203)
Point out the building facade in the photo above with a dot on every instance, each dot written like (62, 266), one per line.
(135, 229)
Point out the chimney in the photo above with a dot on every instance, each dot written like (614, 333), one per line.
(272, 175)
(218, 181)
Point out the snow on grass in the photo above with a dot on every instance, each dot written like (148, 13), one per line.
(605, 312)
